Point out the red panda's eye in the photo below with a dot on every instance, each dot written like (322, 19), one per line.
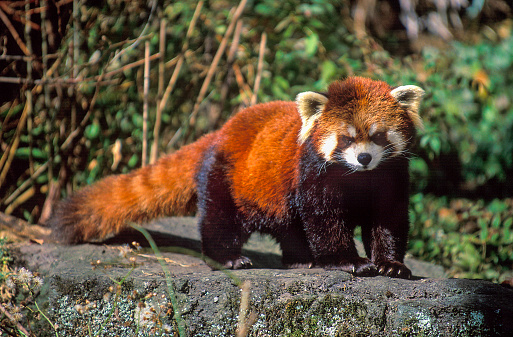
(380, 138)
(347, 140)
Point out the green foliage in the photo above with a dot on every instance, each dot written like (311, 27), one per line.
(306, 47)
(470, 239)
(468, 111)
(5, 260)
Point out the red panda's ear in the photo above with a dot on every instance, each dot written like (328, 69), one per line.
(409, 96)
(310, 105)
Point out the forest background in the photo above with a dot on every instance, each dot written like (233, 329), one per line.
(92, 88)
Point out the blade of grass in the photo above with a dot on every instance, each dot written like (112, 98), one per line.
(47, 319)
(171, 292)
(116, 299)
(180, 250)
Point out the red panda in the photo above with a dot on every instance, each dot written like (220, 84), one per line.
(306, 172)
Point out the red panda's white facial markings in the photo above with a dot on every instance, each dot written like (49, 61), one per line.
(328, 146)
(398, 142)
(351, 131)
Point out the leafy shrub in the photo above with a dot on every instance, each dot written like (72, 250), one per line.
(470, 239)
(469, 115)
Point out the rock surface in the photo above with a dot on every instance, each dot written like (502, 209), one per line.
(106, 289)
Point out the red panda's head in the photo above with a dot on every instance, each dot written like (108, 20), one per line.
(360, 122)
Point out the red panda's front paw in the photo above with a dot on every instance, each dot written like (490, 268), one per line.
(238, 263)
(394, 269)
(359, 266)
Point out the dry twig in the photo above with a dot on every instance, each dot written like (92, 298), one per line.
(8, 156)
(14, 33)
(179, 63)
(231, 58)
(260, 68)
(215, 61)
(160, 90)
(178, 67)
(244, 89)
(146, 88)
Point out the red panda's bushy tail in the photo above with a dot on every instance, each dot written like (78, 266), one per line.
(108, 206)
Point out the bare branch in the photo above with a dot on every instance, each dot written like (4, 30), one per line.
(260, 68)
(179, 63)
(146, 88)
(217, 58)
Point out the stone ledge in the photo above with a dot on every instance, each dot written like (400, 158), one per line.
(311, 302)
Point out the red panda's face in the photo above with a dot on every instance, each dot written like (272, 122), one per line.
(362, 149)
(360, 122)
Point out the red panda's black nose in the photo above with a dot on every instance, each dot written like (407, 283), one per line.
(364, 158)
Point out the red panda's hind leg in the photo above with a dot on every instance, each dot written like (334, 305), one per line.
(222, 235)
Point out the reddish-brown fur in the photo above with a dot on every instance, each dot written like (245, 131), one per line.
(255, 175)
(107, 207)
(264, 171)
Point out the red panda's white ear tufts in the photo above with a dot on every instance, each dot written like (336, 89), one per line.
(410, 96)
(310, 105)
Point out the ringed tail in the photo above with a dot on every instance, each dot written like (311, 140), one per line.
(105, 208)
